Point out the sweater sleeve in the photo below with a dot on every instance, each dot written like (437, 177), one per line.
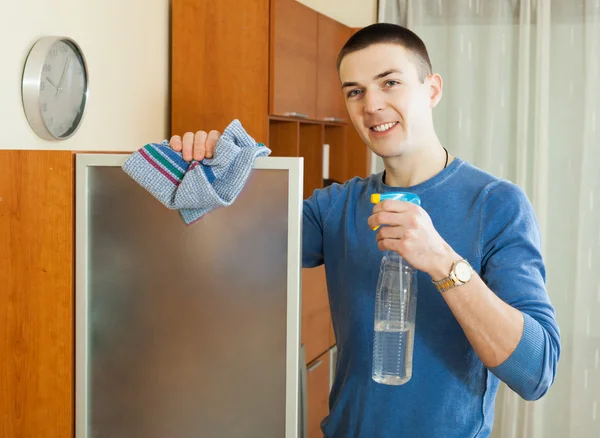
(315, 213)
(513, 268)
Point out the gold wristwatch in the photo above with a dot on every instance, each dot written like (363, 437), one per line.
(460, 273)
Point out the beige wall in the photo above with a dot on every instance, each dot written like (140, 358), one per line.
(126, 44)
(353, 13)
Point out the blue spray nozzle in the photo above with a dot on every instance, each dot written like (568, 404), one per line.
(398, 196)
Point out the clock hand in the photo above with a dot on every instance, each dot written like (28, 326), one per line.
(62, 76)
(51, 83)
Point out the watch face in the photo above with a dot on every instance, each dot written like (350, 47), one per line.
(462, 271)
(63, 88)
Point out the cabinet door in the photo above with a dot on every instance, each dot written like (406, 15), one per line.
(332, 36)
(316, 318)
(358, 155)
(36, 294)
(317, 377)
(293, 84)
(311, 149)
(220, 65)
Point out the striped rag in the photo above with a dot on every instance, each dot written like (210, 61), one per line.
(197, 187)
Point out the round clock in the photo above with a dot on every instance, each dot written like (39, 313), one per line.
(55, 87)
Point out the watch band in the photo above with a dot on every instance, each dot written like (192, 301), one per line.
(445, 284)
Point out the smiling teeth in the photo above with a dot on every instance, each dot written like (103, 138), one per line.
(384, 127)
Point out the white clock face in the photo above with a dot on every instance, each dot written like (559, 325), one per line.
(62, 89)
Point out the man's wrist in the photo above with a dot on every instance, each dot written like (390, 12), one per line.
(443, 264)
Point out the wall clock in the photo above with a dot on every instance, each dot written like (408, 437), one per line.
(55, 87)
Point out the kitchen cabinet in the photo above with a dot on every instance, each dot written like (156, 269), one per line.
(332, 35)
(59, 310)
(293, 62)
(36, 294)
(272, 65)
(219, 65)
(318, 372)
(316, 319)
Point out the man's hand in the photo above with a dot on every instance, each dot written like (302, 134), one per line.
(195, 146)
(409, 231)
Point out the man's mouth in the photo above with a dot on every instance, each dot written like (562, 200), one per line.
(384, 127)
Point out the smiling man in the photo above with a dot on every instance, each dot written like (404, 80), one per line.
(483, 314)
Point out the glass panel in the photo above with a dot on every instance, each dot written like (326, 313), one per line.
(187, 325)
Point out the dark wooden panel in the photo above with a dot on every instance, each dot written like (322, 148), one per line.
(220, 65)
(36, 294)
(316, 319)
(332, 36)
(318, 394)
(335, 137)
(293, 58)
(284, 138)
(358, 155)
(311, 149)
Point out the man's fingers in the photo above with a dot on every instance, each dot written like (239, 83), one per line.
(175, 143)
(195, 146)
(211, 142)
(393, 233)
(188, 146)
(199, 145)
(385, 218)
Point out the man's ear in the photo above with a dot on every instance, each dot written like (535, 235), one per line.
(436, 85)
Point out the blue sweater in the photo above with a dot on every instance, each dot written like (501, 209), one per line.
(488, 221)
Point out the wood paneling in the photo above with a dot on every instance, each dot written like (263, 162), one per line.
(332, 340)
(293, 58)
(332, 36)
(220, 65)
(358, 155)
(317, 379)
(311, 149)
(36, 294)
(335, 137)
(316, 317)
(284, 138)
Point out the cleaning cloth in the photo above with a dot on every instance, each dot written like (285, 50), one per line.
(197, 187)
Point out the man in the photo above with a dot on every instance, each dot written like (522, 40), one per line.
(496, 323)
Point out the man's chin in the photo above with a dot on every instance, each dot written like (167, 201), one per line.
(389, 150)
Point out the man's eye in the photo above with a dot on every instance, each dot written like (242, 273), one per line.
(391, 83)
(353, 93)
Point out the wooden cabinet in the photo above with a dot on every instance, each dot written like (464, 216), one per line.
(219, 65)
(316, 319)
(317, 377)
(357, 155)
(299, 138)
(332, 36)
(311, 149)
(284, 138)
(304, 49)
(36, 294)
(293, 62)
(272, 65)
(348, 154)
(268, 60)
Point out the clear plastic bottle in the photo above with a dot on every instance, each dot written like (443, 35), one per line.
(395, 312)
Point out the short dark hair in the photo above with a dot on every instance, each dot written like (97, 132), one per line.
(387, 33)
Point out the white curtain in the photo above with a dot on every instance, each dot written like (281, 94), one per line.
(522, 101)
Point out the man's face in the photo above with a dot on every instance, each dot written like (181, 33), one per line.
(387, 102)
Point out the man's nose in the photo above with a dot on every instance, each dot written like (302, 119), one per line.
(374, 101)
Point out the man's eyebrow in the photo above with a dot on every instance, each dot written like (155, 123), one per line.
(379, 76)
(349, 84)
(387, 73)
